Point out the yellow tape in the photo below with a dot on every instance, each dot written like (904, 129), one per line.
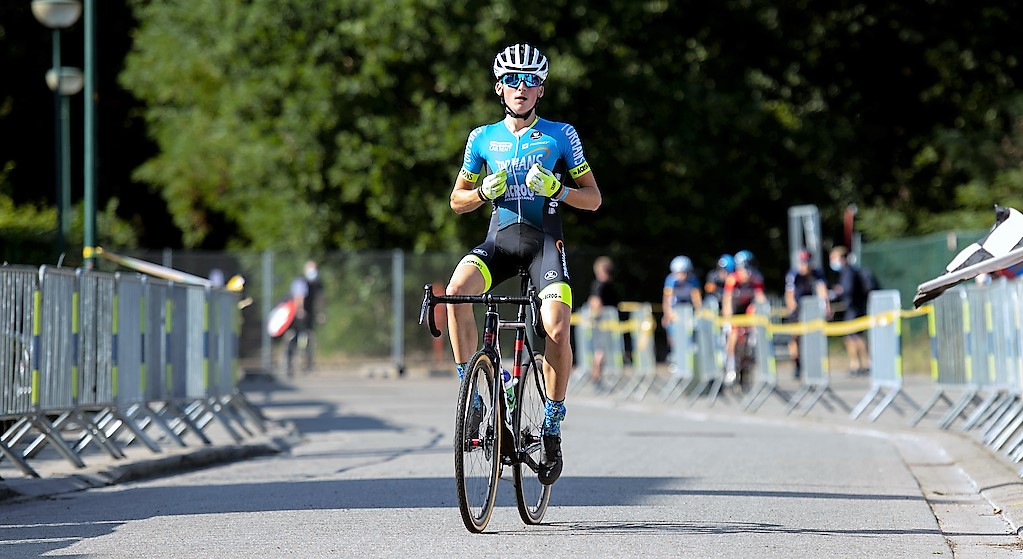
(839, 328)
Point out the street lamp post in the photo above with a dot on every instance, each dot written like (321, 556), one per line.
(57, 15)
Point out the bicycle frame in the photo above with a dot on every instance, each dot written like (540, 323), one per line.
(492, 325)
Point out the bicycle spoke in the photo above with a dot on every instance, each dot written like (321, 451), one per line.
(476, 442)
(531, 496)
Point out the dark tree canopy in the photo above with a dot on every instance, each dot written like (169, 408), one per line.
(329, 124)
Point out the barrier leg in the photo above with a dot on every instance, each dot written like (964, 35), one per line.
(982, 410)
(1012, 421)
(939, 396)
(888, 399)
(798, 397)
(18, 460)
(997, 417)
(865, 402)
(149, 415)
(239, 402)
(52, 435)
(97, 434)
(958, 409)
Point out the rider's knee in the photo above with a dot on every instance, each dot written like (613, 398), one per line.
(558, 331)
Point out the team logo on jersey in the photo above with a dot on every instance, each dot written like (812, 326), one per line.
(551, 274)
(564, 258)
(535, 135)
(479, 251)
(500, 146)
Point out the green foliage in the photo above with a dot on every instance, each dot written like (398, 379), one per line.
(340, 123)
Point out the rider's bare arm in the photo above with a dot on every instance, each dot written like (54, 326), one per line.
(464, 197)
(585, 195)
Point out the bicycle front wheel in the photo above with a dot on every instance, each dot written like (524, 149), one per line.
(531, 496)
(477, 443)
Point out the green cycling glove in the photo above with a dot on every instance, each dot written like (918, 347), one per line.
(543, 182)
(493, 185)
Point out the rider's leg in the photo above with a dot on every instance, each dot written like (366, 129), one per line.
(557, 366)
(730, 341)
(465, 280)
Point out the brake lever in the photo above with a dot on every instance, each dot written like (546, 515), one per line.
(426, 312)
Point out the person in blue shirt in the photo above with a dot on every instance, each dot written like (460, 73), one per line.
(530, 161)
(681, 286)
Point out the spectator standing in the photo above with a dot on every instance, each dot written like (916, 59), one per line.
(803, 281)
(851, 292)
(306, 292)
(602, 295)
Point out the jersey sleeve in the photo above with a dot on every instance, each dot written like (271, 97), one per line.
(790, 280)
(472, 161)
(572, 153)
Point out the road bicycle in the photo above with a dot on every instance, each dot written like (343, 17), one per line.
(499, 413)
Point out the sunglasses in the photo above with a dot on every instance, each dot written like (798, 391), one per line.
(513, 80)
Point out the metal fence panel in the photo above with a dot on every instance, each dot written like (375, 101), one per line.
(18, 351)
(683, 354)
(980, 349)
(129, 327)
(58, 339)
(97, 338)
(885, 337)
(155, 342)
(813, 345)
(949, 343)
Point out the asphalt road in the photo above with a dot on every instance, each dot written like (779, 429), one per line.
(373, 477)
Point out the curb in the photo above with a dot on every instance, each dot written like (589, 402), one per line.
(19, 490)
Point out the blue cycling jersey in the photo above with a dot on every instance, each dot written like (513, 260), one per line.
(681, 288)
(555, 145)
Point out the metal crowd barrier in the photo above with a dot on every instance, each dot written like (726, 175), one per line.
(884, 338)
(102, 357)
(640, 327)
(976, 336)
(765, 379)
(682, 356)
(709, 354)
(813, 359)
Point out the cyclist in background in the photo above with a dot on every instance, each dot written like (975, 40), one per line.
(680, 287)
(745, 259)
(530, 160)
(713, 288)
(742, 289)
(801, 282)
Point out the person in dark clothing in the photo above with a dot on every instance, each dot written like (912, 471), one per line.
(307, 293)
(802, 281)
(852, 294)
(602, 294)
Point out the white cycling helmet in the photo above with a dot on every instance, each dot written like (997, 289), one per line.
(680, 264)
(521, 58)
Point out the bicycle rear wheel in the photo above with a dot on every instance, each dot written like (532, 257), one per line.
(531, 496)
(477, 443)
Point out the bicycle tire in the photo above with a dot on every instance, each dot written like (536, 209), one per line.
(531, 496)
(477, 458)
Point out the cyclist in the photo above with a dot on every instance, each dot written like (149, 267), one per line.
(800, 282)
(530, 160)
(715, 284)
(680, 287)
(745, 259)
(743, 288)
